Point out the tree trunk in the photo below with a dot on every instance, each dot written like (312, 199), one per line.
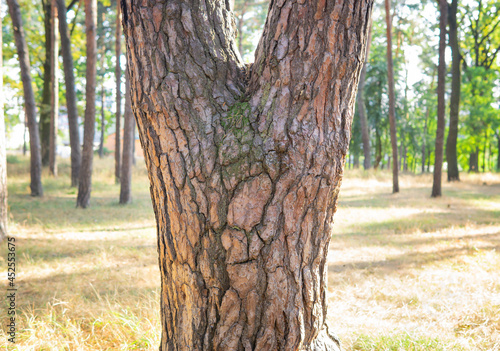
(54, 89)
(118, 77)
(365, 134)
(474, 161)
(103, 120)
(438, 151)
(245, 166)
(69, 77)
(378, 149)
(29, 99)
(85, 183)
(46, 105)
(451, 141)
(128, 148)
(392, 102)
(498, 152)
(3, 155)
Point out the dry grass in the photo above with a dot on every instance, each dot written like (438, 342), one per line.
(406, 272)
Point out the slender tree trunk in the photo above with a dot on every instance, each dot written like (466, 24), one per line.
(54, 92)
(46, 105)
(451, 141)
(244, 174)
(69, 78)
(392, 102)
(103, 120)
(365, 134)
(3, 154)
(118, 77)
(85, 183)
(498, 152)
(128, 149)
(378, 149)
(474, 161)
(29, 99)
(438, 151)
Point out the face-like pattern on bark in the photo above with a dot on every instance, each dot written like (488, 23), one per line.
(245, 164)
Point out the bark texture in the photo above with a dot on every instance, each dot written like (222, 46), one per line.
(3, 155)
(451, 141)
(54, 89)
(392, 98)
(118, 77)
(85, 183)
(245, 164)
(438, 151)
(69, 78)
(365, 134)
(45, 106)
(128, 149)
(29, 99)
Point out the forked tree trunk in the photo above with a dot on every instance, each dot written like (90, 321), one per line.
(69, 78)
(392, 98)
(365, 134)
(54, 89)
(85, 183)
(245, 166)
(29, 99)
(451, 141)
(438, 150)
(3, 155)
(118, 77)
(128, 148)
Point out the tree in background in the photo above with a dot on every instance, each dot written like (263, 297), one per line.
(438, 158)
(230, 151)
(3, 155)
(118, 78)
(54, 88)
(451, 141)
(85, 182)
(70, 93)
(392, 102)
(250, 16)
(128, 148)
(29, 99)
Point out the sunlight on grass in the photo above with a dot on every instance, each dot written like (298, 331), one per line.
(406, 272)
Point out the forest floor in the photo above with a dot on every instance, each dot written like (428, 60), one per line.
(406, 272)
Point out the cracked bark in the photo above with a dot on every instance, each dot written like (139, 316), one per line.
(245, 164)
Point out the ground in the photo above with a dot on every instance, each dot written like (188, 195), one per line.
(406, 272)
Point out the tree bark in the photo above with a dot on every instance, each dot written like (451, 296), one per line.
(451, 141)
(392, 102)
(438, 150)
(3, 155)
(69, 77)
(365, 134)
(46, 105)
(29, 99)
(245, 165)
(85, 183)
(128, 148)
(54, 89)
(118, 77)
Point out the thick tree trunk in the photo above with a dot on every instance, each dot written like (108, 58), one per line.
(365, 134)
(45, 106)
(392, 102)
(118, 77)
(54, 89)
(85, 183)
(69, 77)
(438, 151)
(128, 149)
(29, 99)
(3, 155)
(451, 141)
(245, 166)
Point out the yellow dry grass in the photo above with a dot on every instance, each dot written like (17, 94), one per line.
(406, 272)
